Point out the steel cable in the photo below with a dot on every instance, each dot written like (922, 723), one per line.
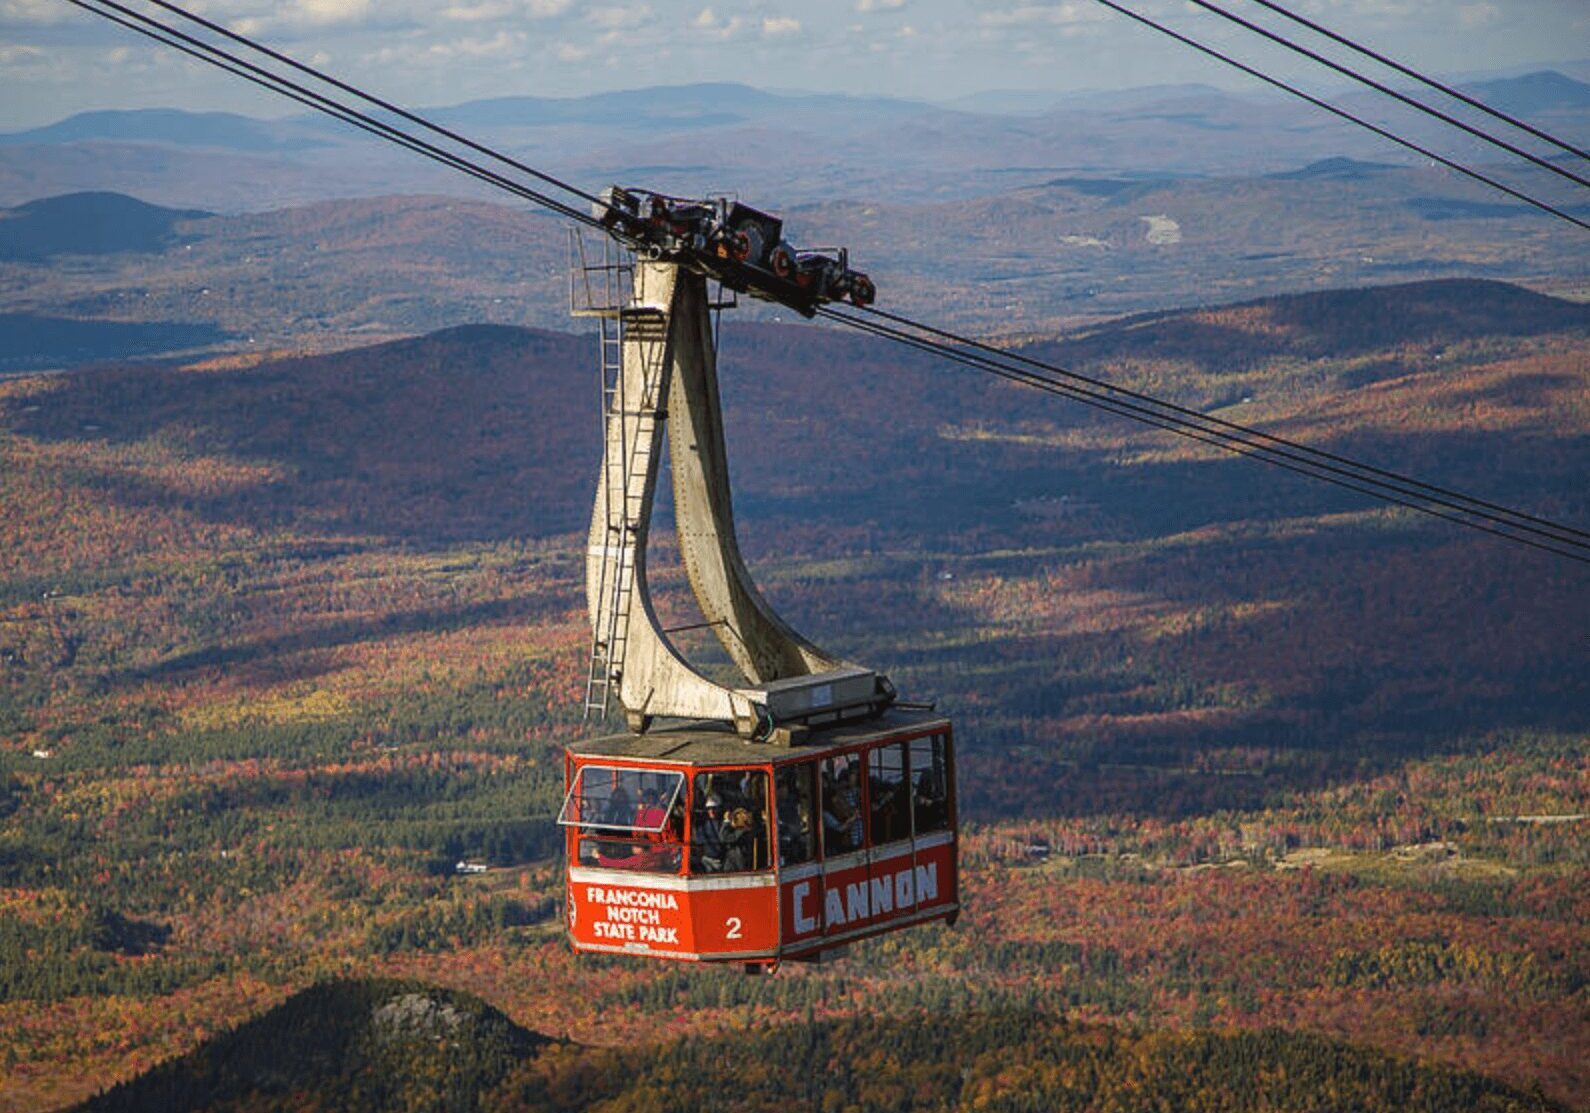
(1363, 485)
(1280, 445)
(1381, 87)
(1318, 102)
(1120, 401)
(219, 57)
(406, 114)
(1409, 71)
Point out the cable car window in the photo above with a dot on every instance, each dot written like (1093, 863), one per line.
(621, 799)
(842, 819)
(626, 819)
(930, 784)
(728, 822)
(794, 796)
(886, 795)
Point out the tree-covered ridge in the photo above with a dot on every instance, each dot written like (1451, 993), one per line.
(396, 1045)
(341, 1046)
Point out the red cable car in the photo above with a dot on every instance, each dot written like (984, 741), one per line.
(779, 817)
(691, 844)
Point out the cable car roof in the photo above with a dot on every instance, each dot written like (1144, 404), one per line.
(707, 744)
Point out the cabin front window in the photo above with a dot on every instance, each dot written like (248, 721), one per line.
(626, 819)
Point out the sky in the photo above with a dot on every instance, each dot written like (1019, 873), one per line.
(56, 59)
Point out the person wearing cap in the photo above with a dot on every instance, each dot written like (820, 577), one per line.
(709, 829)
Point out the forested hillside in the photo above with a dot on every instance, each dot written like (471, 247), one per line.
(348, 1047)
(1248, 766)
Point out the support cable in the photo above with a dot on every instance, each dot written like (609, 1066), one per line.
(412, 117)
(1346, 115)
(1409, 71)
(1382, 87)
(153, 28)
(1280, 445)
(1280, 452)
(1412, 500)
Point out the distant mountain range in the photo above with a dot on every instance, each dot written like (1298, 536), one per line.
(176, 128)
(1028, 260)
(790, 147)
(705, 105)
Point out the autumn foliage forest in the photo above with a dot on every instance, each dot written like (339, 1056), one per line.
(1271, 797)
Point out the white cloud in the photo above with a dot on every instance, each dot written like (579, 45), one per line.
(1027, 15)
(620, 18)
(780, 25)
(477, 13)
(16, 55)
(1474, 16)
(502, 43)
(37, 11)
(545, 9)
(442, 54)
(570, 52)
(880, 5)
(325, 12)
(714, 26)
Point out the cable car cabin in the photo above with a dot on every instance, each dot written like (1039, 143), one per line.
(692, 844)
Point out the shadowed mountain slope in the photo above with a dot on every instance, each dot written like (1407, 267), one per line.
(1337, 323)
(88, 224)
(1237, 600)
(353, 1046)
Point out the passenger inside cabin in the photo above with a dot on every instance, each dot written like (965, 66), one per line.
(740, 850)
(842, 824)
(632, 827)
(797, 839)
(886, 783)
(728, 822)
(707, 831)
(618, 812)
(929, 802)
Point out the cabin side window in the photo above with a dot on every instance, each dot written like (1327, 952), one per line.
(930, 780)
(729, 822)
(842, 817)
(626, 819)
(795, 796)
(887, 797)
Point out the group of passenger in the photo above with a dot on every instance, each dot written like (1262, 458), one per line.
(729, 822)
(649, 813)
(843, 829)
(639, 832)
(642, 825)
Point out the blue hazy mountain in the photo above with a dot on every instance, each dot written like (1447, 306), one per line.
(711, 104)
(91, 223)
(225, 130)
(1543, 91)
